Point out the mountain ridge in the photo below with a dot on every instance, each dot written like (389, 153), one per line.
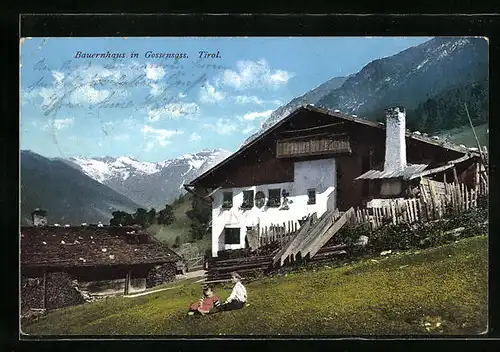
(69, 195)
(408, 78)
(151, 184)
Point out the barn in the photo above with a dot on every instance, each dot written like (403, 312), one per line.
(314, 161)
(63, 266)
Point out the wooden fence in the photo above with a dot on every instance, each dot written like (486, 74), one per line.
(282, 233)
(437, 199)
(431, 205)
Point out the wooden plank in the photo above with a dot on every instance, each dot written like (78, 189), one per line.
(467, 199)
(407, 210)
(378, 217)
(416, 209)
(461, 197)
(44, 302)
(320, 241)
(286, 250)
(322, 225)
(476, 177)
(127, 282)
(455, 176)
(393, 213)
(318, 231)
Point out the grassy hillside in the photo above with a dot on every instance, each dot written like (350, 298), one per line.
(464, 135)
(441, 290)
(180, 227)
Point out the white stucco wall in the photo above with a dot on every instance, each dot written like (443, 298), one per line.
(395, 140)
(318, 174)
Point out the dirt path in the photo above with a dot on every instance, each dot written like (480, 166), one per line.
(191, 275)
(148, 292)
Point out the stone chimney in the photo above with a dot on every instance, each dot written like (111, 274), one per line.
(395, 139)
(39, 217)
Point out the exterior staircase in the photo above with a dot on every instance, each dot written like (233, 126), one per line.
(314, 234)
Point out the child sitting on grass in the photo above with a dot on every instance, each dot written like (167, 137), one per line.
(238, 297)
(206, 304)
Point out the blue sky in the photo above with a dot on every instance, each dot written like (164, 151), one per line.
(154, 108)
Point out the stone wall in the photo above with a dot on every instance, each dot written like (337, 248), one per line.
(61, 291)
(161, 274)
(31, 294)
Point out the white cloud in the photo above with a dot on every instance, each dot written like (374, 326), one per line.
(223, 126)
(248, 129)
(156, 89)
(121, 137)
(248, 99)
(56, 124)
(154, 72)
(173, 111)
(251, 74)
(88, 95)
(194, 137)
(158, 136)
(58, 76)
(60, 124)
(86, 84)
(257, 115)
(130, 122)
(209, 95)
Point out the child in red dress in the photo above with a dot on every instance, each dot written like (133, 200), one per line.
(206, 304)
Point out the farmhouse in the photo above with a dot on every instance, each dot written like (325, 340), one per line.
(63, 266)
(318, 161)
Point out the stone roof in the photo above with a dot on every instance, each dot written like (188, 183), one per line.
(90, 246)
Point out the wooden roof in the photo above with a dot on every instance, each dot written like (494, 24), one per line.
(86, 246)
(338, 115)
(405, 173)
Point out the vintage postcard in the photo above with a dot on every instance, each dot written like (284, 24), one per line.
(237, 186)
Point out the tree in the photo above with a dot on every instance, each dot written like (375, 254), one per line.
(199, 214)
(151, 216)
(141, 217)
(177, 242)
(121, 218)
(166, 216)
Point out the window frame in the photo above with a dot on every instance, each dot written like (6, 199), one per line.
(234, 230)
(309, 201)
(251, 199)
(226, 204)
(272, 202)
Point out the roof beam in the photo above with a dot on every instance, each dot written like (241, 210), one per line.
(187, 188)
(436, 170)
(315, 127)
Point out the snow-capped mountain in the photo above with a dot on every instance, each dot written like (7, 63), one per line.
(102, 169)
(146, 183)
(411, 76)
